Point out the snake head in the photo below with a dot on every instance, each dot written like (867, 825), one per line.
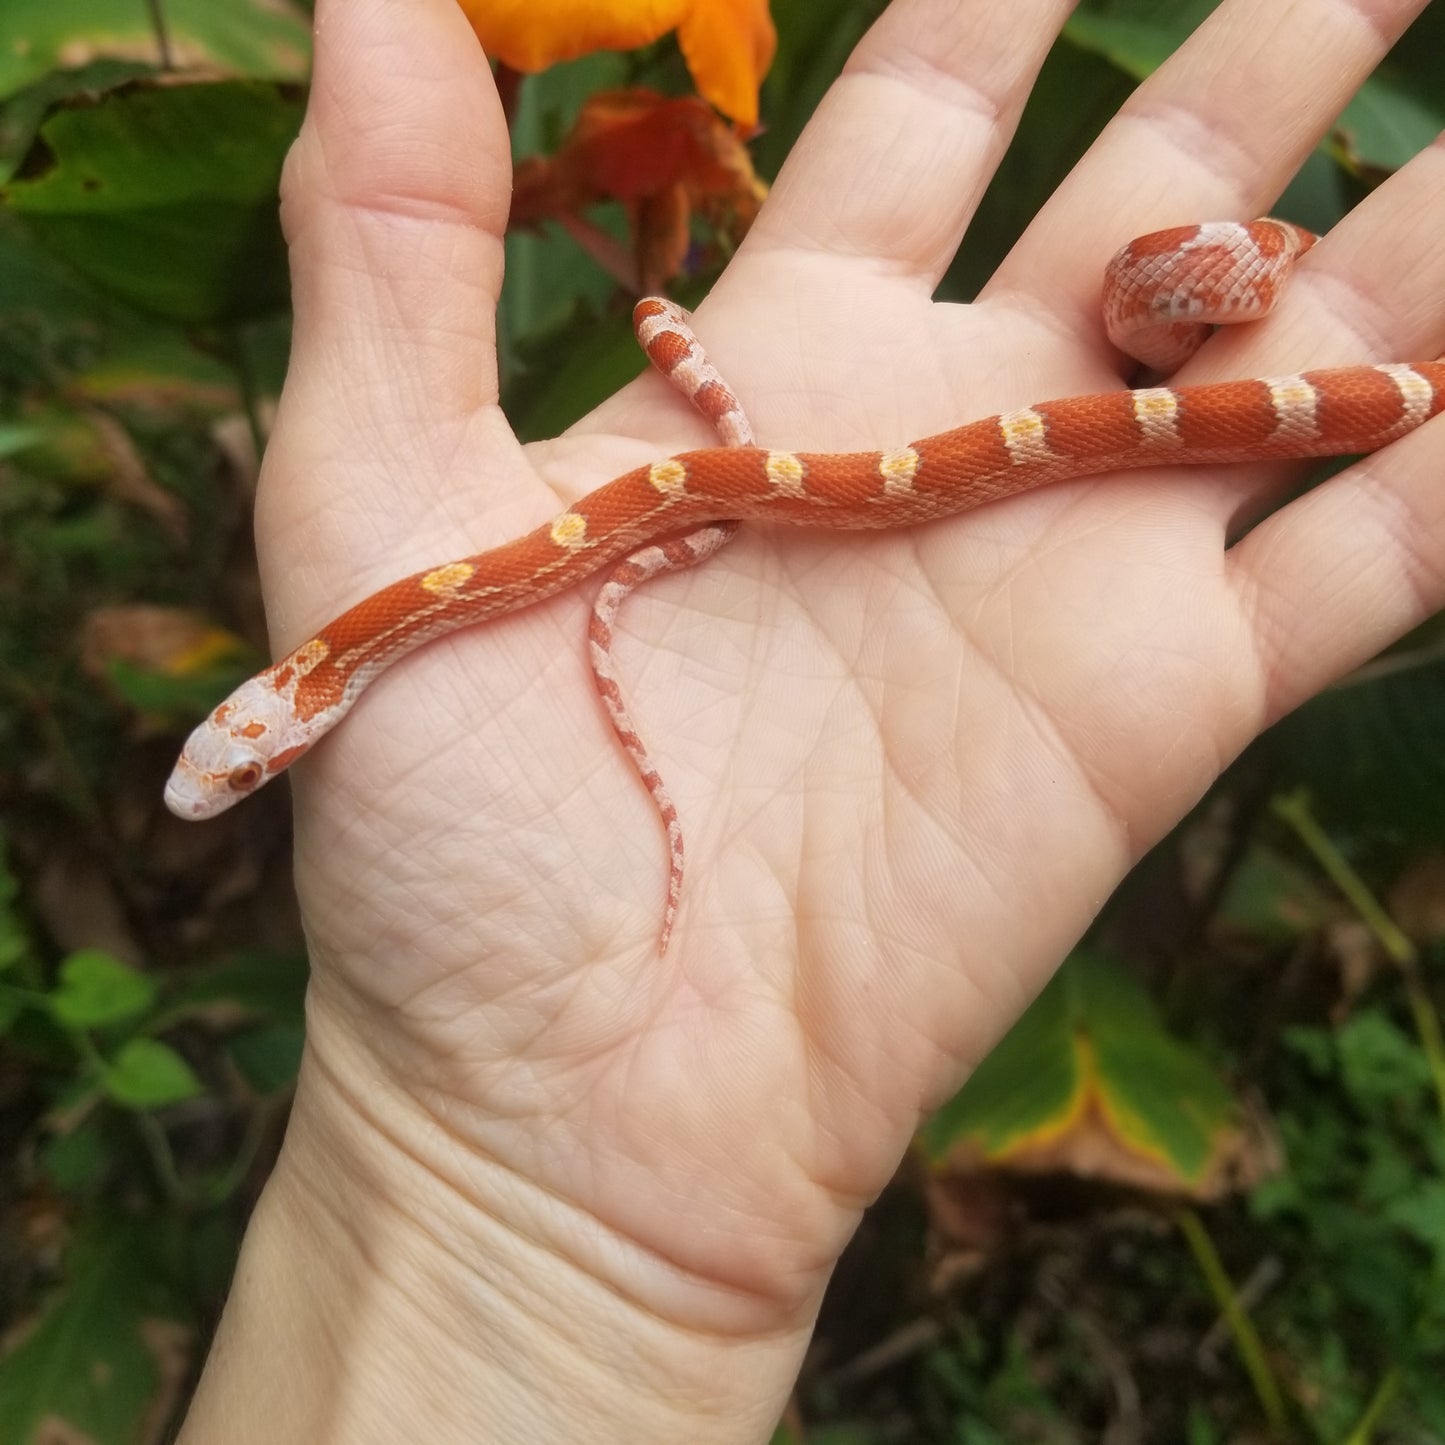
(246, 741)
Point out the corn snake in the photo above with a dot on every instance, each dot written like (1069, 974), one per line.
(1162, 295)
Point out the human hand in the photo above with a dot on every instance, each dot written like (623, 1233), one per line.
(910, 766)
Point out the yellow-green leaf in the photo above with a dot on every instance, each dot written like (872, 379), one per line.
(1090, 1082)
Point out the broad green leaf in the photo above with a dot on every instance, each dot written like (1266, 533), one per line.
(1401, 107)
(1388, 122)
(1137, 36)
(111, 352)
(94, 1363)
(34, 287)
(1089, 1079)
(96, 989)
(160, 369)
(565, 375)
(147, 1074)
(251, 985)
(22, 113)
(166, 197)
(1392, 117)
(261, 39)
(1373, 750)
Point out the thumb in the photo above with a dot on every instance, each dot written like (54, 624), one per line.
(394, 201)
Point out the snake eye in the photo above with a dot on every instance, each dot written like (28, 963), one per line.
(244, 778)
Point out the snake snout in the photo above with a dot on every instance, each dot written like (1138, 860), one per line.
(183, 797)
(230, 754)
(209, 776)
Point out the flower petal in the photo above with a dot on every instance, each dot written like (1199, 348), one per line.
(533, 34)
(728, 46)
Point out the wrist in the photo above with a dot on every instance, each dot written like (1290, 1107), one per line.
(394, 1285)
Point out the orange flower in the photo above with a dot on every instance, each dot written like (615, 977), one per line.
(727, 44)
(665, 159)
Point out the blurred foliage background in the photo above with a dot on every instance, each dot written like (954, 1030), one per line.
(1154, 1215)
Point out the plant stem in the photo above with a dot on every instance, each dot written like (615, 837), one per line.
(1246, 1337)
(163, 42)
(234, 351)
(1294, 809)
(163, 1158)
(1379, 1403)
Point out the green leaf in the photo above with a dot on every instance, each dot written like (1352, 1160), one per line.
(21, 115)
(96, 989)
(1091, 1061)
(16, 438)
(79, 1160)
(34, 287)
(1381, 1062)
(548, 279)
(1315, 1046)
(59, 325)
(159, 368)
(147, 1074)
(269, 1057)
(1024, 1086)
(1373, 749)
(1422, 1213)
(560, 377)
(1272, 899)
(165, 695)
(95, 1363)
(1202, 1428)
(263, 39)
(253, 984)
(1388, 122)
(1136, 36)
(166, 197)
(14, 941)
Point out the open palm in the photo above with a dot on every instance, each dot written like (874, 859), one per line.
(910, 766)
